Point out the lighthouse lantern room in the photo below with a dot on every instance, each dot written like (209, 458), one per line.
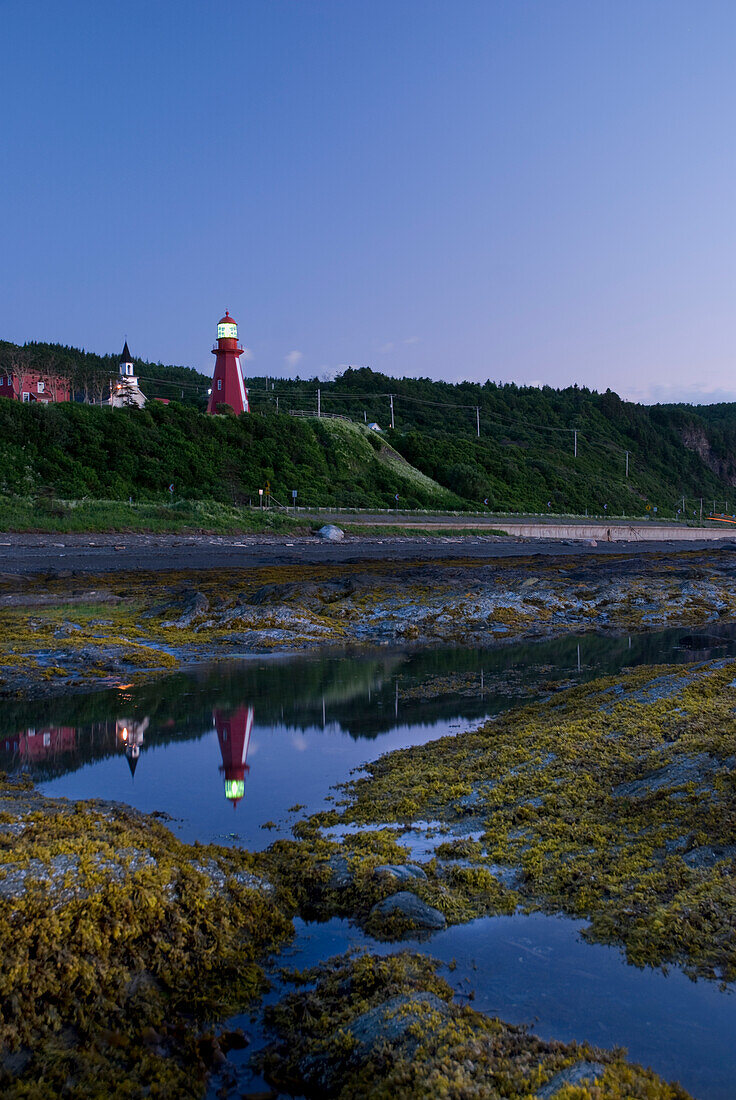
(228, 387)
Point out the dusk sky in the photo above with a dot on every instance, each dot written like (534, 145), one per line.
(523, 190)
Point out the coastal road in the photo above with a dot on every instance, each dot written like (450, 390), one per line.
(27, 554)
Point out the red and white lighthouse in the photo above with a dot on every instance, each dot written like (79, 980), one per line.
(233, 732)
(228, 387)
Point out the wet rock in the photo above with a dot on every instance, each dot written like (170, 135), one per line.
(708, 855)
(661, 687)
(394, 1021)
(582, 1073)
(408, 905)
(401, 872)
(193, 605)
(469, 803)
(402, 1021)
(687, 769)
(283, 593)
(66, 629)
(340, 874)
(331, 533)
(15, 1063)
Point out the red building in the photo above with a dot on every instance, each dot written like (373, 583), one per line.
(39, 744)
(233, 732)
(228, 387)
(24, 384)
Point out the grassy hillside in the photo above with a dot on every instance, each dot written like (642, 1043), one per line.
(73, 451)
(523, 459)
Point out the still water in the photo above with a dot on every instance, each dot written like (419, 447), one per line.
(228, 749)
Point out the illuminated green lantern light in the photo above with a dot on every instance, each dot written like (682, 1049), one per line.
(234, 788)
(227, 331)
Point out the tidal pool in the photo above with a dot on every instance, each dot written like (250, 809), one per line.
(227, 749)
(538, 970)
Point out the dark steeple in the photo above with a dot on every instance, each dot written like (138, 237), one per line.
(126, 357)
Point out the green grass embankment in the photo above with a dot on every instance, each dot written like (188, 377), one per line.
(73, 452)
(28, 515)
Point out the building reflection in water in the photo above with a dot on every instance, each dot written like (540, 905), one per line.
(129, 736)
(49, 749)
(32, 745)
(234, 728)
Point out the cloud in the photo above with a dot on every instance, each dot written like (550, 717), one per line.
(293, 358)
(248, 354)
(665, 394)
(391, 345)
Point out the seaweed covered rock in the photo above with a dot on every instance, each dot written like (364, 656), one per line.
(580, 1073)
(405, 912)
(119, 943)
(614, 801)
(401, 872)
(379, 1027)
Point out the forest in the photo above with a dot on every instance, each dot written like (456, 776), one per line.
(493, 445)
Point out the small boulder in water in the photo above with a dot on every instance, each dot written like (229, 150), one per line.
(401, 872)
(415, 911)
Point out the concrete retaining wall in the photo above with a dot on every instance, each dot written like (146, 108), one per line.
(617, 532)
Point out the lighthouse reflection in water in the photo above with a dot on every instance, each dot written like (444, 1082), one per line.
(234, 730)
(59, 747)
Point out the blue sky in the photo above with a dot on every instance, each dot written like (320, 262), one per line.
(527, 190)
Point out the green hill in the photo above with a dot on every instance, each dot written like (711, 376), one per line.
(523, 459)
(75, 451)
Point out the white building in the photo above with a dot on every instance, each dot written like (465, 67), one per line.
(125, 389)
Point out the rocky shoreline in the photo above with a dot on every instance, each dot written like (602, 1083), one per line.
(123, 947)
(613, 801)
(71, 633)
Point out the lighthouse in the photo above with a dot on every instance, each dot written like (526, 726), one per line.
(233, 733)
(228, 387)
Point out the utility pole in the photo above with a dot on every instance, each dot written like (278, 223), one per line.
(319, 403)
(477, 419)
(277, 402)
(627, 463)
(701, 509)
(391, 399)
(575, 442)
